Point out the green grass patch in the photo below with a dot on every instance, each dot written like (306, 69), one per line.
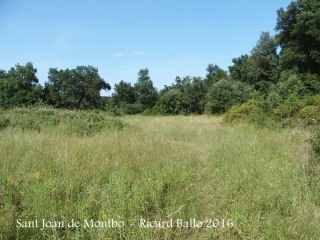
(160, 168)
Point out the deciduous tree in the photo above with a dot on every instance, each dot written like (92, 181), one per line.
(299, 36)
(76, 88)
(19, 86)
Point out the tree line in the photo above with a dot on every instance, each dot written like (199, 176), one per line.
(278, 69)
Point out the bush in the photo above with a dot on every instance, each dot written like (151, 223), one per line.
(288, 109)
(310, 115)
(243, 111)
(4, 122)
(301, 85)
(272, 101)
(311, 83)
(133, 108)
(154, 111)
(252, 111)
(172, 102)
(225, 94)
(312, 100)
(83, 123)
(289, 84)
(295, 110)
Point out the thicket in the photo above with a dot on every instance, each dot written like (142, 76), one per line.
(69, 122)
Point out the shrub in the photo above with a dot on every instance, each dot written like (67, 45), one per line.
(83, 123)
(225, 94)
(294, 110)
(310, 115)
(311, 84)
(4, 122)
(289, 108)
(312, 100)
(243, 111)
(172, 102)
(89, 123)
(273, 101)
(133, 108)
(154, 111)
(290, 84)
(115, 124)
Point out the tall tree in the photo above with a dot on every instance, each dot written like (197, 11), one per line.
(186, 96)
(194, 90)
(19, 87)
(146, 94)
(299, 36)
(263, 62)
(214, 74)
(76, 88)
(124, 93)
(239, 69)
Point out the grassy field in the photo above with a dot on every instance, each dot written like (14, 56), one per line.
(239, 181)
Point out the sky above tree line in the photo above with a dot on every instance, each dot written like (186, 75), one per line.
(120, 37)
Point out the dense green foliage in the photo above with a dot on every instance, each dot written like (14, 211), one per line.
(224, 94)
(19, 86)
(76, 88)
(299, 36)
(186, 96)
(145, 93)
(275, 79)
(133, 99)
(124, 93)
